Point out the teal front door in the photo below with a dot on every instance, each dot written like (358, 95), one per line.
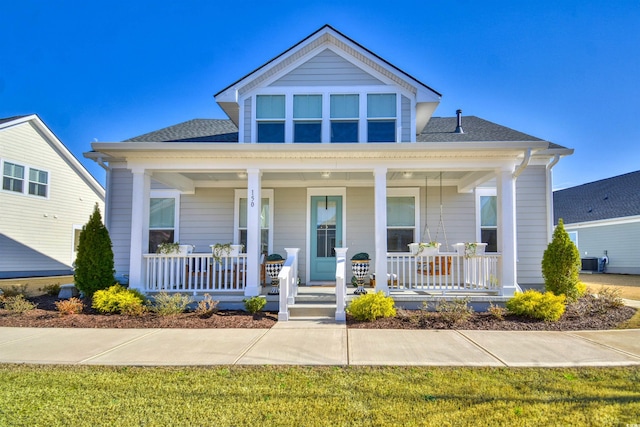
(326, 234)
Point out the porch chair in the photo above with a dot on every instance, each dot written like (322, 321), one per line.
(440, 265)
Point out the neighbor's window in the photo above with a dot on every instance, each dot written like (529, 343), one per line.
(344, 111)
(489, 222)
(270, 115)
(381, 117)
(162, 218)
(13, 177)
(401, 223)
(38, 182)
(307, 118)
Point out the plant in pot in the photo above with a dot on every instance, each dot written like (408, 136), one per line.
(360, 268)
(424, 249)
(272, 265)
(223, 250)
(470, 249)
(176, 248)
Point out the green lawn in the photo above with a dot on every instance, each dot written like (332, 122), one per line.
(317, 396)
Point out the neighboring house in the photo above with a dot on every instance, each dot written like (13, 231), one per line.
(328, 145)
(45, 198)
(603, 220)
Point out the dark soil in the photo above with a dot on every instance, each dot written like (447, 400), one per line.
(586, 314)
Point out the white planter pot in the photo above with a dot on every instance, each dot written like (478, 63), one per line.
(421, 250)
(464, 250)
(185, 249)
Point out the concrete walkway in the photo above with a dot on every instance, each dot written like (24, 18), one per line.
(305, 342)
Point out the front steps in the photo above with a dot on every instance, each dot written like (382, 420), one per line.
(314, 302)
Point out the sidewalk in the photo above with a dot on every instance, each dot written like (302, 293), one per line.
(302, 342)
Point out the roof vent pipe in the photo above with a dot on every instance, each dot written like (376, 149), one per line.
(459, 125)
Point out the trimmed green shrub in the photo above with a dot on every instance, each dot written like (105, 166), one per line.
(94, 262)
(18, 304)
(168, 305)
(255, 304)
(372, 306)
(547, 306)
(118, 299)
(561, 265)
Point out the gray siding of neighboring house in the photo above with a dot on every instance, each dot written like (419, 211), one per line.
(532, 233)
(327, 69)
(619, 240)
(119, 226)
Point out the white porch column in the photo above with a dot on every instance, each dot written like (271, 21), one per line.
(139, 227)
(254, 201)
(380, 228)
(507, 243)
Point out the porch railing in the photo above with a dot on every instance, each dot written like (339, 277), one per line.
(445, 272)
(194, 273)
(288, 283)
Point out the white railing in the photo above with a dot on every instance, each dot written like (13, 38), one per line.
(288, 283)
(341, 284)
(445, 272)
(194, 273)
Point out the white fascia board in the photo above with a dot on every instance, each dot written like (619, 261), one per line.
(603, 222)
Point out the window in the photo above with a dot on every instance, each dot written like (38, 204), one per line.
(488, 206)
(307, 118)
(402, 219)
(266, 220)
(13, 177)
(381, 117)
(344, 118)
(38, 182)
(270, 113)
(162, 221)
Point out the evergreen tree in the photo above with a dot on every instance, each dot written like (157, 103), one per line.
(561, 265)
(94, 262)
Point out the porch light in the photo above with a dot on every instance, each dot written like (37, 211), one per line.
(242, 175)
(325, 174)
(407, 174)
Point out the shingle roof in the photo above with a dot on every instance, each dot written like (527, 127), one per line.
(609, 198)
(196, 130)
(439, 129)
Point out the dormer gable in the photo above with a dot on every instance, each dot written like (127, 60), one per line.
(318, 70)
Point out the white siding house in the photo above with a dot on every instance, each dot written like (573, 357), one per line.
(603, 219)
(46, 196)
(329, 148)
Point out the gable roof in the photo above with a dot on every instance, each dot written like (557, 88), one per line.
(439, 129)
(64, 152)
(609, 198)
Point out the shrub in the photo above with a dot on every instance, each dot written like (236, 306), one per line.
(18, 304)
(457, 310)
(254, 304)
(561, 265)
(496, 311)
(94, 262)
(70, 306)
(118, 299)
(547, 306)
(168, 305)
(52, 289)
(369, 307)
(206, 307)
(15, 290)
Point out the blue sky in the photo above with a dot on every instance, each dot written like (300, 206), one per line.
(564, 71)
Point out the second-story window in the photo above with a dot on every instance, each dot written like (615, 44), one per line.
(38, 182)
(344, 118)
(307, 118)
(381, 117)
(270, 114)
(13, 177)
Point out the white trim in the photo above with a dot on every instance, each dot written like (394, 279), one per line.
(168, 194)
(323, 191)
(74, 228)
(483, 192)
(240, 193)
(603, 222)
(409, 191)
(25, 179)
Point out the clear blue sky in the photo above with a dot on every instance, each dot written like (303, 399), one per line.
(564, 71)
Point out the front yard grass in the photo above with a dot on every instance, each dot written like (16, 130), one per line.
(317, 396)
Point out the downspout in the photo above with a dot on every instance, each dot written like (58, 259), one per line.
(556, 159)
(524, 164)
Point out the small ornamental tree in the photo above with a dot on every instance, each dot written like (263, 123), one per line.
(561, 265)
(94, 262)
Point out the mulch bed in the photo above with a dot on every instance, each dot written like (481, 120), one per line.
(579, 316)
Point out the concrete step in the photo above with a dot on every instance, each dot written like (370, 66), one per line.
(312, 310)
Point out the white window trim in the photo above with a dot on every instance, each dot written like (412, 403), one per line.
(241, 193)
(25, 179)
(409, 191)
(169, 194)
(74, 253)
(326, 92)
(480, 192)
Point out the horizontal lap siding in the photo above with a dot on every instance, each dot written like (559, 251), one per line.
(290, 228)
(360, 221)
(619, 240)
(206, 218)
(39, 231)
(119, 226)
(458, 216)
(531, 213)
